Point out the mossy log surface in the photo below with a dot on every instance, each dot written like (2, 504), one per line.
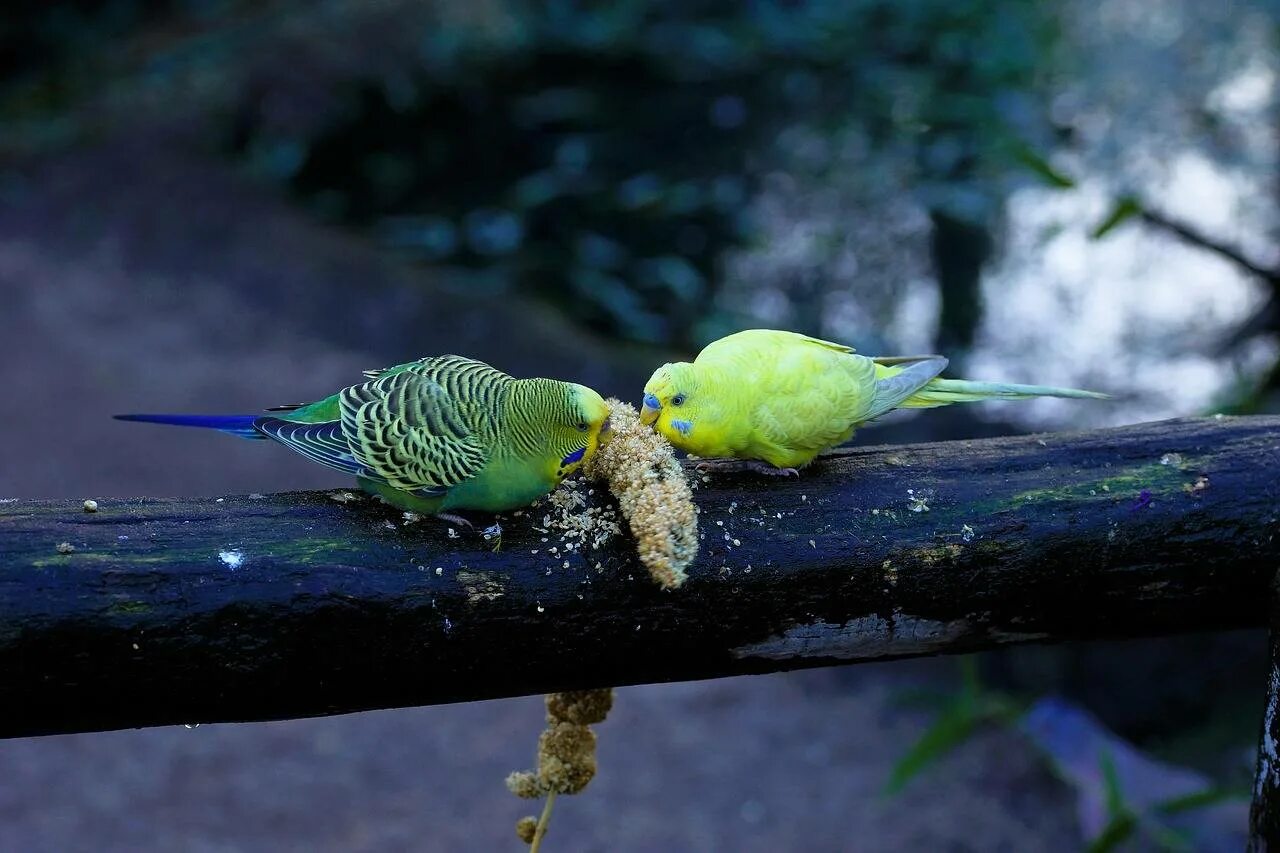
(290, 605)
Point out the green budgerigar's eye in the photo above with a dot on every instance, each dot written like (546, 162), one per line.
(583, 426)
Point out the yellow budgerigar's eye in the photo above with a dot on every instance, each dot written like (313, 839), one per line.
(677, 400)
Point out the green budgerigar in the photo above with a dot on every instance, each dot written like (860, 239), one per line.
(436, 435)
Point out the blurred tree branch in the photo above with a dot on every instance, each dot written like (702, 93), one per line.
(1196, 237)
(1265, 320)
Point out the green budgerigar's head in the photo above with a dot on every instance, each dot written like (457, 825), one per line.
(577, 424)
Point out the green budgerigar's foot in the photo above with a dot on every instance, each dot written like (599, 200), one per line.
(726, 466)
(464, 523)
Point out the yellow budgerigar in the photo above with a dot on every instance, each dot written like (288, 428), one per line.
(774, 400)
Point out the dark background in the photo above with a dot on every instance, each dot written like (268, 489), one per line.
(212, 205)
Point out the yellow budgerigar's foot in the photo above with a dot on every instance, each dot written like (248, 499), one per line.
(726, 466)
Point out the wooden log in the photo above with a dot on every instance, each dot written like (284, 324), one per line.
(290, 605)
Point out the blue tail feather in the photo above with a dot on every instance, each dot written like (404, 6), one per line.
(239, 425)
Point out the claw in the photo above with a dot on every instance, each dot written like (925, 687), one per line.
(458, 520)
(725, 466)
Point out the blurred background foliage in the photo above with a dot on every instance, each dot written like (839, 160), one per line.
(902, 175)
(617, 160)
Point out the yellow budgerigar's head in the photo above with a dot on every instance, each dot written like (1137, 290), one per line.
(673, 403)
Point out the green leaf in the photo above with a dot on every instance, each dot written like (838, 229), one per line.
(1043, 169)
(1115, 833)
(1123, 822)
(1111, 787)
(1001, 708)
(1170, 839)
(951, 728)
(1125, 208)
(1210, 796)
(959, 714)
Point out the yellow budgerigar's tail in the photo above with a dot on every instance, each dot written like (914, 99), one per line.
(912, 382)
(943, 392)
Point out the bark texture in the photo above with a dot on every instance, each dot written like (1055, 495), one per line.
(290, 605)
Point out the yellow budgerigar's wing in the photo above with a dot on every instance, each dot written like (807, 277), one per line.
(762, 340)
(899, 378)
(801, 395)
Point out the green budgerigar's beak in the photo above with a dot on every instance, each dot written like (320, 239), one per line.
(650, 410)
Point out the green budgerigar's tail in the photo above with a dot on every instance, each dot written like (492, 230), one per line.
(944, 392)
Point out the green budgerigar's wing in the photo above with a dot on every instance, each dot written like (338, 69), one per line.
(401, 428)
(406, 432)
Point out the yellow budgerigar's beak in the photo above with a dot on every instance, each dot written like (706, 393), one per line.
(650, 410)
